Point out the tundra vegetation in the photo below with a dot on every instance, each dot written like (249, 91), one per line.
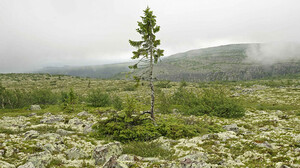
(222, 124)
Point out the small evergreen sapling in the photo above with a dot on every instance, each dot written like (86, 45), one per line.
(147, 50)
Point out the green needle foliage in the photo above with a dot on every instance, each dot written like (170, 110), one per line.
(147, 51)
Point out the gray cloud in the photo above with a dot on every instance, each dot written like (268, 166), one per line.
(270, 53)
(35, 33)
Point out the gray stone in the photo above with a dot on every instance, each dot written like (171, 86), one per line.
(83, 113)
(27, 165)
(49, 147)
(263, 145)
(31, 114)
(129, 158)
(102, 154)
(75, 153)
(52, 119)
(51, 136)
(41, 159)
(2, 153)
(75, 121)
(63, 132)
(31, 134)
(198, 157)
(35, 107)
(113, 163)
(232, 127)
(6, 165)
(88, 128)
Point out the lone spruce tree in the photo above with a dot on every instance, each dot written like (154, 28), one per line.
(147, 51)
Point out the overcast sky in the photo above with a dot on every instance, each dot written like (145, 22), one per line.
(39, 33)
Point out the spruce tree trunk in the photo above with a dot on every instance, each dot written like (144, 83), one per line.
(151, 85)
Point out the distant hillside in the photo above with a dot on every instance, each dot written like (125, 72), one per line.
(98, 71)
(228, 62)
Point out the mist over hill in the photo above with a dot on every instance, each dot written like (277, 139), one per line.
(228, 62)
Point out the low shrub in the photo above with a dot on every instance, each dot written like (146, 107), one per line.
(98, 99)
(213, 102)
(117, 103)
(163, 102)
(122, 128)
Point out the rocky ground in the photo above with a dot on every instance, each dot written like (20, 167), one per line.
(260, 139)
(267, 136)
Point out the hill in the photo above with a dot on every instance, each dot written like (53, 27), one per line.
(228, 62)
(97, 71)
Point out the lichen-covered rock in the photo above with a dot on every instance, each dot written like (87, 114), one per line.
(227, 135)
(41, 159)
(113, 163)
(232, 127)
(263, 145)
(63, 132)
(75, 121)
(197, 157)
(31, 134)
(87, 128)
(49, 147)
(50, 136)
(102, 154)
(6, 165)
(35, 107)
(52, 119)
(2, 152)
(83, 113)
(75, 153)
(27, 165)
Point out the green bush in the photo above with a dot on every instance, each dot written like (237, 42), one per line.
(98, 99)
(117, 103)
(43, 96)
(122, 128)
(163, 102)
(213, 102)
(69, 100)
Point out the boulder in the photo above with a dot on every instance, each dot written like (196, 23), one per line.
(49, 147)
(35, 107)
(27, 165)
(6, 165)
(227, 135)
(31, 134)
(195, 158)
(263, 144)
(83, 113)
(63, 132)
(75, 153)
(52, 119)
(2, 152)
(75, 121)
(31, 114)
(102, 154)
(232, 127)
(88, 128)
(113, 163)
(51, 136)
(41, 159)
